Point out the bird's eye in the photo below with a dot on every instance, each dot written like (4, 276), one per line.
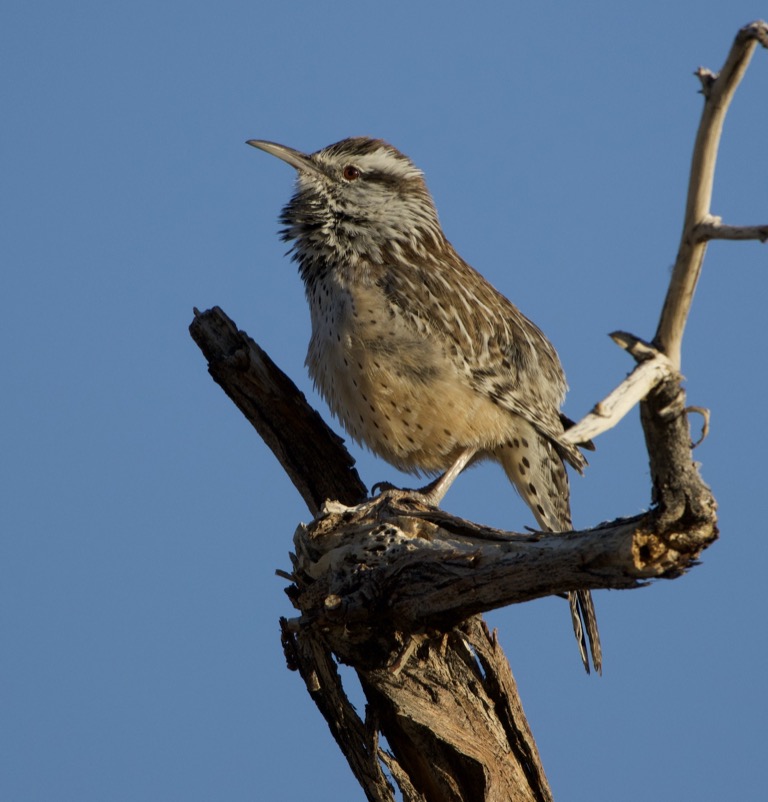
(351, 173)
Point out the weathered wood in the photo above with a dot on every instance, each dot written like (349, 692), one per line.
(394, 565)
(313, 455)
(308, 654)
(452, 716)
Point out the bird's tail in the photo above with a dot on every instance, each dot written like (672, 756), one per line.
(584, 621)
(536, 469)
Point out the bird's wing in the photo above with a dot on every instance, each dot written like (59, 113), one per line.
(502, 354)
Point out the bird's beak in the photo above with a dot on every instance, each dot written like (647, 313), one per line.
(293, 157)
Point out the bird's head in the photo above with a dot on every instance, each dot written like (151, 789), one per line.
(356, 199)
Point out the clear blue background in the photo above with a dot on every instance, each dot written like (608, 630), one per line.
(142, 519)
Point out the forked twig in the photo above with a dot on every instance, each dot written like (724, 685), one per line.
(718, 91)
(699, 227)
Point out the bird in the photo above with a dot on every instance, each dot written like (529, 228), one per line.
(418, 356)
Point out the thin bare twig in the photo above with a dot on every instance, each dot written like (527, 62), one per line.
(713, 228)
(653, 368)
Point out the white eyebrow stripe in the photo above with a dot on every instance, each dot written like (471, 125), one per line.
(382, 160)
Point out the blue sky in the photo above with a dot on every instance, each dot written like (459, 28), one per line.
(141, 518)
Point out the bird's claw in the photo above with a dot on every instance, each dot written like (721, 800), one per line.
(382, 487)
(387, 490)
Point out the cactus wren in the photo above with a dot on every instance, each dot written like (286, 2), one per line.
(419, 357)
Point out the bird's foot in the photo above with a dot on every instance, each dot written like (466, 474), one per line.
(431, 494)
(428, 495)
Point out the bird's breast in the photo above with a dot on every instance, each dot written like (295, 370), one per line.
(392, 383)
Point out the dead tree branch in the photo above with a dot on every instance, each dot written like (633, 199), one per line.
(718, 91)
(394, 588)
(401, 566)
(311, 453)
(699, 227)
